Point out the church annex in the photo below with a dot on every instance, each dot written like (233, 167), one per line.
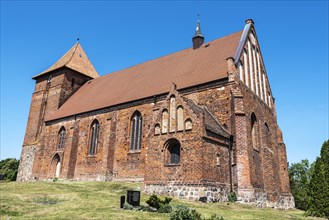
(200, 122)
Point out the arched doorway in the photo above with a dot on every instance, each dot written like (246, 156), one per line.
(56, 166)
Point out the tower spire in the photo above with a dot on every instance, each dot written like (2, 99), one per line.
(198, 38)
(198, 29)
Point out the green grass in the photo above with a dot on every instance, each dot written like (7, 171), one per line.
(101, 200)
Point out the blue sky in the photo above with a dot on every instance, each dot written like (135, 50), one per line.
(293, 37)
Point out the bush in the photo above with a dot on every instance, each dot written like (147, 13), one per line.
(166, 208)
(231, 197)
(156, 202)
(182, 212)
(9, 168)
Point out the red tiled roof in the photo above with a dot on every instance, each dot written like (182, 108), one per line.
(75, 59)
(185, 68)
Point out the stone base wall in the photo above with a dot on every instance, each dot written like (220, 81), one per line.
(26, 163)
(209, 194)
(256, 197)
(286, 201)
(261, 199)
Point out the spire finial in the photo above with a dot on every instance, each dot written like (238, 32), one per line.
(198, 38)
(198, 28)
(78, 38)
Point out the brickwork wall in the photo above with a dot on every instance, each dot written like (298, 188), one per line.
(51, 91)
(266, 159)
(259, 170)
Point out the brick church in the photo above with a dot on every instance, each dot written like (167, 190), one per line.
(200, 122)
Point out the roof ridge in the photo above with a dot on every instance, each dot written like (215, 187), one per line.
(169, 54)
(75, 49)
(186, 68)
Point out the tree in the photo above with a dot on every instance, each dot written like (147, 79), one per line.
(9, 168)
(318, 193)
(300, 175)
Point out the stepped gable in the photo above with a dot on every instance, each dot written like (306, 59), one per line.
(186, 68)
(75, 59)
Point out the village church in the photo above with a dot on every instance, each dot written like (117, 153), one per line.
(200, 122)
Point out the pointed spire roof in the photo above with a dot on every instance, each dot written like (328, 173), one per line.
(75, 59)
(198, 30)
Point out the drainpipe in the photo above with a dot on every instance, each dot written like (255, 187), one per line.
(230, 145)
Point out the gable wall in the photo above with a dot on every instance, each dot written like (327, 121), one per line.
(265, 158)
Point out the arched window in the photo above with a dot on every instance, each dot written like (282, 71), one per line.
(188, 124)
(180, 118)
(267, 135)
(241, 70)
(94, 134)
(172, 147)
(61, 138)
(165, 121)
(157, 129)
(172, 113)
(253, 121)
(136, 131)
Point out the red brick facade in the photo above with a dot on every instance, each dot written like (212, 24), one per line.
(223, 133)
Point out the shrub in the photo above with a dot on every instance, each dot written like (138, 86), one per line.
(9, 168)
(182, 212)
(166, 208)
(156, 202)
(231, 197)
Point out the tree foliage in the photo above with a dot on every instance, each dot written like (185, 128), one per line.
(318, 192)
(9, 168)
(300, 176)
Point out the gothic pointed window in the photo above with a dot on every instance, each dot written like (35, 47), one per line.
(157, 129)
(180, 118)
(188, 124)
(165, 116)
(61, 138)
(136, 131)
(94, 134)
(254, 133)
(267, 135)
(173, 149)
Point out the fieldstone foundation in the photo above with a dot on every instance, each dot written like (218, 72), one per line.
(212, 194)
(26, 163)
(263, 199)
(256, 197)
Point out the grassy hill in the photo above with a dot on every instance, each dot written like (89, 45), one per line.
(101, 200)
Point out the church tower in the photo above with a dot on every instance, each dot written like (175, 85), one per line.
(52, 89)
